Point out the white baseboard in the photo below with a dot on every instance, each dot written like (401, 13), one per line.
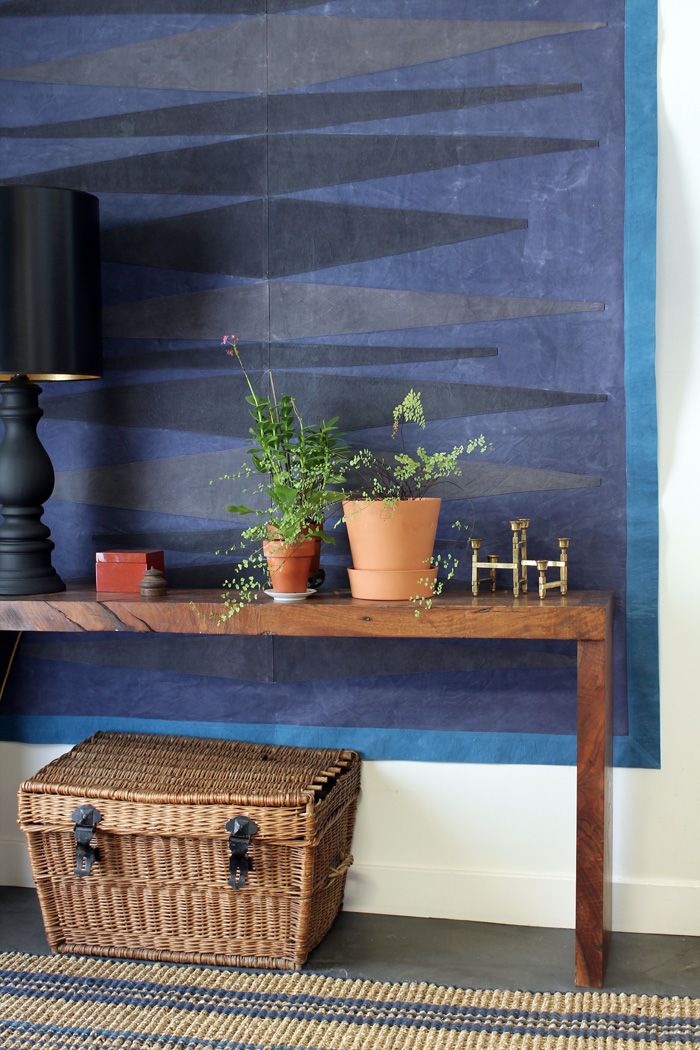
(481, 896)
(519, 899)
(515, 899)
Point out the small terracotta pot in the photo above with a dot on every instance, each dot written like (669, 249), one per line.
(391, 538)
(289, 564)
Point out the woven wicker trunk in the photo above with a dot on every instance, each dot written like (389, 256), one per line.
(159, 886)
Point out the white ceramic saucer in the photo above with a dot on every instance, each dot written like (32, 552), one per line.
(291, 596)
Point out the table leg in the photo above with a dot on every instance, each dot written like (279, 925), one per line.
(593, 796)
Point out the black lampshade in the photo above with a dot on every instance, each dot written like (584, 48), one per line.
(50, 304)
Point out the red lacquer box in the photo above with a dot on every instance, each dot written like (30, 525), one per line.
(122, 571)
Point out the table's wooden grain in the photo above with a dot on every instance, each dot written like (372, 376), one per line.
(579, 615)
(583, 616)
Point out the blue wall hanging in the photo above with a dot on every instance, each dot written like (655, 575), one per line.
(373, 196)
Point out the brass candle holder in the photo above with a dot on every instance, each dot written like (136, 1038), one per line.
(520, 563)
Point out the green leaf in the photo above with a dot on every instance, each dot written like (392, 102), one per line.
(284, 496)
(240, 508)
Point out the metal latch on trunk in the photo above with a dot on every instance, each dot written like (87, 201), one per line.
(241, 831)
(85, 820)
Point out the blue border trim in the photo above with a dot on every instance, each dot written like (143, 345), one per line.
(374, 744)
(640, 381)
(417, 745)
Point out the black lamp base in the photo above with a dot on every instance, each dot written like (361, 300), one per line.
(43, 580)
(26, 482)
(22, 584)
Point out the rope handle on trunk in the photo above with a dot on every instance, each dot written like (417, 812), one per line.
(339, 869)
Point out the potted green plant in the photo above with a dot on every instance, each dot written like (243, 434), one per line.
(391, 519)
(295, 470)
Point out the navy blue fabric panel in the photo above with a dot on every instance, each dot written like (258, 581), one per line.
(468, 188)
(500, 700)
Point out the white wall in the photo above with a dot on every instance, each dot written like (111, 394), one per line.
(501, 845)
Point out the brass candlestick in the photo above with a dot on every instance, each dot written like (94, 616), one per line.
(519, 565)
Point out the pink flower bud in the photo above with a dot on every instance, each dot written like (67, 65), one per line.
(232, 342)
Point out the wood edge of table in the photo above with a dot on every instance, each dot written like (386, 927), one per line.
(580, 614)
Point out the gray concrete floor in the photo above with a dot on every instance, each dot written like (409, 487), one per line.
(471, 954)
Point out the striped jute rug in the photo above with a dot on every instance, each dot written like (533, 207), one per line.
(62, 1001)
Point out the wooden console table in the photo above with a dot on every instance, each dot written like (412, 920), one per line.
(583, 616)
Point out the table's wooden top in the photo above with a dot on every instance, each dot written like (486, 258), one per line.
(456, 614)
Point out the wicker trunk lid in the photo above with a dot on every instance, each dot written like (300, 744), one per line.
(159, 885)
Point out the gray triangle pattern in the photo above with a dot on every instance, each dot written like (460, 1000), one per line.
(227, 58)
(252, 115)
(308, 50)
(300, 311)
(295, 162)
(181, 485)
(302, 235)
(360, 401)
(302, 50)
(199, 315)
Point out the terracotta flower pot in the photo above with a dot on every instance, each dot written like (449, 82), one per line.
(289, 564)
(392, 546)
(392, 585)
